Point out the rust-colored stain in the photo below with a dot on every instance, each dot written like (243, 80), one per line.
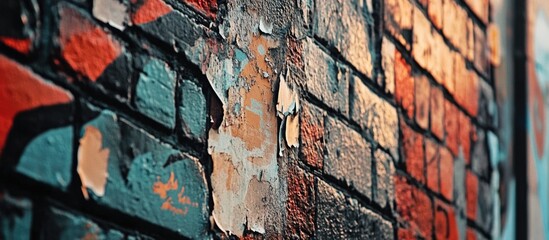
(161, 189)
(92, 162)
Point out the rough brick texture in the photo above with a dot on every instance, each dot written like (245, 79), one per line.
(253, 119)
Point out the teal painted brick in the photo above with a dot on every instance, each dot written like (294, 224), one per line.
(15, 217)
(151, 180)
(155, 92)
(192, 110)
(60, 224)
(48, 157)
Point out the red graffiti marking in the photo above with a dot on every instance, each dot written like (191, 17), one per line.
(21, 45)
(86, 47)
(162, 189)
(150, 11)
(20, 90)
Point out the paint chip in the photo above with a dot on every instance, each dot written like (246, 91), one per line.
(112, 12)
(265, 27)
(292, 130)
(92, 162)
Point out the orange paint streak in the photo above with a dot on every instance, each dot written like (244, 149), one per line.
(162, 189)
(21, 45)
(208, 7)
(150, 11)
(21, 90)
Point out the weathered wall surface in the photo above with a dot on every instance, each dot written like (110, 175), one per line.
(252, 119)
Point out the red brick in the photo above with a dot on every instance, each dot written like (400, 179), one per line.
(471, 234)
(471, 184)
(414, 206)
(404, 85)
(467, 90)
(445, 222)
(432, 157)
(149, 11)
(451, 124)
(422, 92)
(85, 47)
(312, 136)
(207, 7)
(300, 208)
(414, 155)
(465, 136)
(446, 173)
(437, 112)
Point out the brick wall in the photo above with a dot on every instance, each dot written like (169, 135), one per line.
(254, 119)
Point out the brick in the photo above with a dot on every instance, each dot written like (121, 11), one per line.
(192, 110)
(465, 136)
(467, 91)
(414, 206)
(17, 216)
(480, 8)
(445, 221)
(485, 209)
(487, 107)
(19, 25)
(482, 52)
(384, 188)
(404, 83)
(32, 101)
(397, 19)
(455, 22)
(446, 174)
(332, 17)
(60, 224)
(480, 161)
(434, 10)
(432, 158)
(348, 156)
(85, 47)
(436, 113)
(414, 154)
(206, 7)
(423, 41)
(422, 93)
(460, 187)
(116, 79)
(343, 217)
(301, 205)
(451, 123)
(388, 64)
(375, 115)
(325, 80)
(312, 135)
(146, 178)
(472, 185)
(172, 28)
(155, 92)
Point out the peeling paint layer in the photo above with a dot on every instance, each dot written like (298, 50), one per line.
(92, 162)
(112, 12)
